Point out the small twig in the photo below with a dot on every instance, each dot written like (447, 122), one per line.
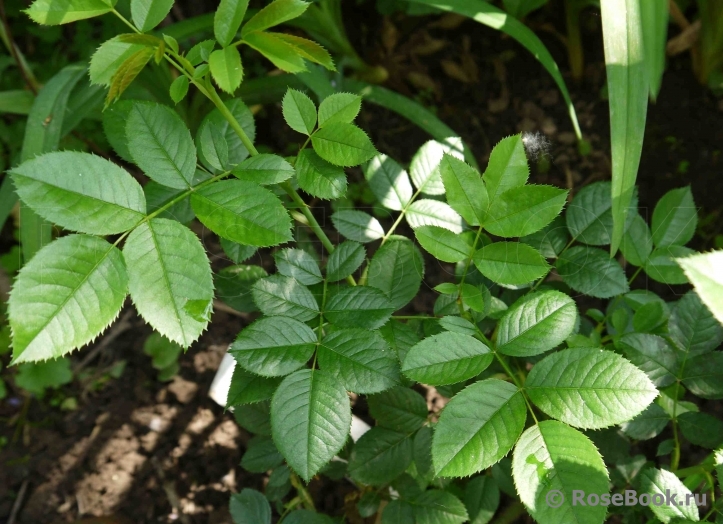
(119, 327)
(170, 490)
(27, 75)
(220, 306)
(18, 502)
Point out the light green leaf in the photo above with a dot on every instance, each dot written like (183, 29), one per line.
(264, 169)
(552, 457)
(343, 144)
(247, 388)
(163, 352)
(275, 13)
(648, 424)
(274, 346)
(250, 507)
(591, 271)
(589, 216)
(380, 456)
(651, 354)
(654, 19)
(310, 420)
(179, 89)
(200, 52)
(442, 244)
(357, 225)
(80, 192)
(280, 53)
(36, 377)
(637, 242)
(284, 296)
(360, 359)
(108, 58)
(226, 68)
(661, 266)
(703, 375)
(536, 323)
(658, 481)
(308, 49)
(692, 326)
(167, 270)
(397, 269)
(339, 107)
(299, 265)
(675, 218)
(589, 388)
(627, 80)
(400, 409)
(482, 498)
(507, 168)
(127, 72)
(161, 144)
(54, 12)
(704, 270)
(466, 192)
(147, 14)
(68, 293)
(523, 210)
(344, 260)
(424, 168)
(446, 358)
(227, 20)
(215, 124)
(242, 212)
(358, 307)
(510, 263)
(299, 111)
(318, 177)
(477, 428)
(389, 182)
(427, 212)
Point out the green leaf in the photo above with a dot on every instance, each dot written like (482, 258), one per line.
(114, 127)
(299, 111)
(399, 409)
(703, 375)
(215, 124)
(284, 296)
(226, 68)
(458, 325)
(651, 354)
(242, 212)
(442, 244)
(705, 273)
(482, 498)
(310, 420)
(523, 210)
(675, 218)
(227, 19)
(339, 107)
(68, 293)
(360, 359)
(343, 144)
(275, 13)
(274, 346)
(318, 177)
(264, 169)
(36, 377)
(344, 260)
(427, 212)
(627, 81)
(127, 72)
(162, 351)
(54, 12)
(233, 286)
(590, 217)
(701, 429)
(158, 196)
(200, 52)
(80, 192)
(425, 166)
(658, 481)
(299, 265)
(589, 388)
(306, 516)
(280, 53)
(650, 317)
(389, 182)
(507, 168)
(247, 388)
(438, 507)
(397, 269)
(654, 19)
(250, 507)
(179, 89)
(357, 225)
(692, 327)
(255, 418)
(536, 323)
(637, 242)
(161, 144)
(543, 461)
(648, 424)
(308, 49)
(147, 14)
(591, 271)
(477, 428)
(167, 270)
(446, 358)
(108, 58)
(237, 253)
(358, 307)
(510, 263)
(261, 455)
(551, 240)
(380, 456)
(661, 266)
(466, 192)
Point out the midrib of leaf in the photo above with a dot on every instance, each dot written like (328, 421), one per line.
(536, 324)
(354, 362)
(339, 142)
(168, 283)
(160, 146)
(252, 208)
(536, 207)
(554, 467)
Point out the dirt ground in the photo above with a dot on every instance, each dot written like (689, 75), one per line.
(137, 447)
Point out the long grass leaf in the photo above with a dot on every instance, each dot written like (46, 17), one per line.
(654, 17)
(628, 97)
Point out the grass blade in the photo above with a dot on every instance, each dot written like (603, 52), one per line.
(654, 17)
(628, 96)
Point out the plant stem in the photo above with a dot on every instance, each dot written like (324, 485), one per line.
(303, 492)
(637, 272)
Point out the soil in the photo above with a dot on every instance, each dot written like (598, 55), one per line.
(110, 456)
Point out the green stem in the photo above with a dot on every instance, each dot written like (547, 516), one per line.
(125, 21)
(303, 492)
(466, 270)
(637, 272)
(543, 277)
